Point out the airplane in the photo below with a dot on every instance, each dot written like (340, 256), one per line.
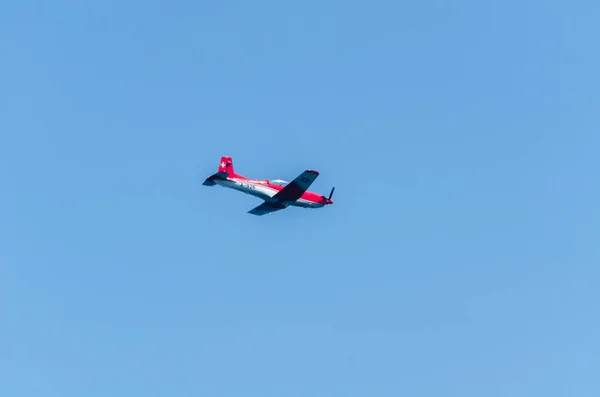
(277, 194)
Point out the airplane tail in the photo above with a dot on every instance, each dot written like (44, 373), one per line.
(225, 171)
(226, 165)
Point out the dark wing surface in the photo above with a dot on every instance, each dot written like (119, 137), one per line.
(266, 208)
(296, 188)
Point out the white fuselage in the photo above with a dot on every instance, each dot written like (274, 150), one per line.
(263, 191)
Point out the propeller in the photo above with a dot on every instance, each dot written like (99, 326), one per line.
(330, 194)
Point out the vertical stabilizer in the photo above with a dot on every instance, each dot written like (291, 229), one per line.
(226, 165)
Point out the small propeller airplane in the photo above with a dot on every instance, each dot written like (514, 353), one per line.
(277, 194)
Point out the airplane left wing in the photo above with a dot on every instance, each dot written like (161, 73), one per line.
(266, 208)
(295, 189)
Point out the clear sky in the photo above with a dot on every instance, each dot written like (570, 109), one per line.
(460, 257)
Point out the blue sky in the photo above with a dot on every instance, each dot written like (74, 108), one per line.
(460, 257)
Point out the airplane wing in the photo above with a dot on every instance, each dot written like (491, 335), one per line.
(266, 208)
(296, 188)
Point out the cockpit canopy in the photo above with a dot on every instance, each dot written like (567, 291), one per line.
(279, 182)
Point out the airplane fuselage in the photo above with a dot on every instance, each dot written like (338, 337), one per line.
(265, 190)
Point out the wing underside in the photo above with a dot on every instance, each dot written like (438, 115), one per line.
(266, 208)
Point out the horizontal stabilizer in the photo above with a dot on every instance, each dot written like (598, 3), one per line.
(219, 175)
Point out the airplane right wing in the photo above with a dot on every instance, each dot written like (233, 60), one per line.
(266, 208)
(296, 188)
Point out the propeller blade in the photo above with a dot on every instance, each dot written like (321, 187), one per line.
(331, 194)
